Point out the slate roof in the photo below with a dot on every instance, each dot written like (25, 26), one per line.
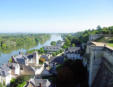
(58, 60)
(30, 56)
(4, 70)
(43, 82)
(21, 58)
(73, 49)
(52, 48)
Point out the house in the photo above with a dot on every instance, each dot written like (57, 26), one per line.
(72, 53)
(29, 64)
(15, 68)
(38, 83)
(5, 74)
(60, 43)
(51, 49)
(26, 59)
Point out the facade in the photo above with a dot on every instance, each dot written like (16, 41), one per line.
(52, 48)
(5, 74)
(60, 43)
(29, 64)
(26, 59)
(15, 68)
(38, 83)
(72, 53)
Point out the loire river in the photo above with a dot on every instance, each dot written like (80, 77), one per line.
(5, 57)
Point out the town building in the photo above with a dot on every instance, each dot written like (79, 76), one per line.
(5, 74)
(29, 63)
(38, 83)
(51, 49)
(60, 43)
(15, 69)
(72, 53)
(26, 59)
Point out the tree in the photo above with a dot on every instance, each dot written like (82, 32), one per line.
(53, 43)
(54, 54)
(72, 73)
(67, 42)
(73, 45)
(99, 27)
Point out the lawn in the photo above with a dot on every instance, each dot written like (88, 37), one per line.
(110, 44)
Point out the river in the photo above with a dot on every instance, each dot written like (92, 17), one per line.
(5, 57)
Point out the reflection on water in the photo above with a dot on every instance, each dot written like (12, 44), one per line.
(6, 54)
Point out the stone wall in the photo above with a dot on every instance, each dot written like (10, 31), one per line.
(104, 77)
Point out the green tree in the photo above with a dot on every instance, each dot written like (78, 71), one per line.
(4, 46)
(73, 45)
(53, 43)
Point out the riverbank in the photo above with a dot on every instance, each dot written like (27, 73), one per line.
(4, 57)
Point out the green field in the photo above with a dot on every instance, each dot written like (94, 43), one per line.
(110, 44)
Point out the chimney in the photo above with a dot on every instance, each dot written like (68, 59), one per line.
(36, 56)
(12, 58)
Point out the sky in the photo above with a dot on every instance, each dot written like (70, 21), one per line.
(54, 16)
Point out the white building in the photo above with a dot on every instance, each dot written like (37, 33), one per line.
(15, 68)
(73, 53)
(26, 59)
(60, 43)
(38, 83)
(27, 64)
(5, 74)
(52, 48)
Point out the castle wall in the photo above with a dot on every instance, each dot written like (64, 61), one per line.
(104, 77)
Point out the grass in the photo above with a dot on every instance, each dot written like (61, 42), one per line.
(22, 84)
(110, 44)
(10, 60)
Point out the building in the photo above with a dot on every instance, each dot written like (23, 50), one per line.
(5, 74)
(29, 64)
(60, 43)
(26, 59)
(72, 53)
(15, 69)
(51, 49)
(38, 83)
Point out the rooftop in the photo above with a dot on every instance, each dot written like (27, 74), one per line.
(4, 70)
(102, 45)
(37, 82)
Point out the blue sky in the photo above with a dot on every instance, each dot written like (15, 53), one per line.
(48, 16)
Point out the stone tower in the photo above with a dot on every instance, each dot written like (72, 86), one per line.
(36, 57)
